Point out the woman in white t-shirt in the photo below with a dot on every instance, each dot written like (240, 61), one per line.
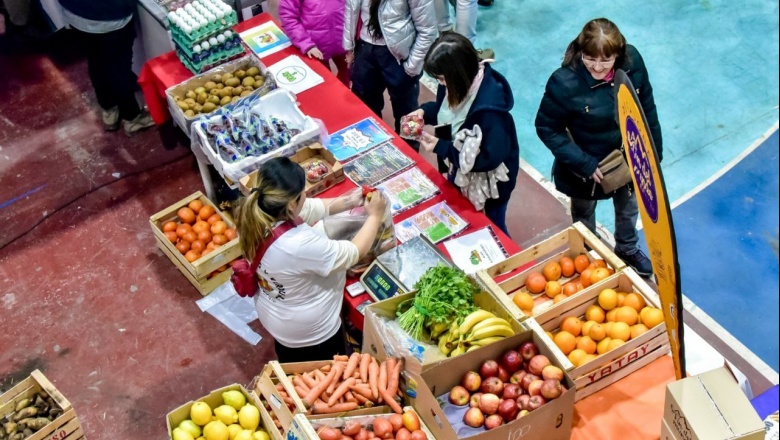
(303, 272)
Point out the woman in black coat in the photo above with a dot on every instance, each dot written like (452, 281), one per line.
(577, 121)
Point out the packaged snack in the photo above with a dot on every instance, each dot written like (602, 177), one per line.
(411, 127)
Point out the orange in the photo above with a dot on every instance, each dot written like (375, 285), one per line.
(585, 277)
(599, 274)
(586, 327)
(627, 314)
(595, 313)
(608, 327)
(635, 301)
(613, 344)
(567, 267)
(523, 301)
(653, 317)
(581, 262)
(612, 314)
(558, 298)
(638, 330)
(535, 282)
(552, 271)
(550, 335)
(576, 355)
(552, 289)
(587, 344)
(620, 330)
(570, 289)
(608, 299)
(603, 346)
(572, 324)
(586, 359)
(565, 341)
(597, 332)
(598, 263)
(621, 299)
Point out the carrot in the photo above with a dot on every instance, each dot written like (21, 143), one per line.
(390, 400)
(301, 391)
(326, 368)
(279, 387)
(321, 387)
(382, 384)
(351, 365)
(362, 400)
(340, 358)
(365, 360)
(338, 369)
(373, 379)
(308, 381)
(343, 388)
(321, 407)
(349, 397)
(318, 375)
(288, 400)
(393, 377)
(361, 391)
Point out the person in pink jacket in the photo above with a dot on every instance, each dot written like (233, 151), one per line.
(315, 28)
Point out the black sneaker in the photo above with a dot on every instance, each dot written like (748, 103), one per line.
(639, 262)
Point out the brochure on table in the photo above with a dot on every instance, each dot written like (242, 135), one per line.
(408, 189)
(476, 251)
(437, 223)
(294, 75)
(357, 138)
(265, 39)
(377, 165)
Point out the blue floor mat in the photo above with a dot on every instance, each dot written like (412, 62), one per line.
(727, 242)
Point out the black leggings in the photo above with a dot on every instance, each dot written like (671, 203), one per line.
(320, 352)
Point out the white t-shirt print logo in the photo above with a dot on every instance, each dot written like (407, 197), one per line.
(273, 289)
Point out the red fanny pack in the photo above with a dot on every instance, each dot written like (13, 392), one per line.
(244, 276)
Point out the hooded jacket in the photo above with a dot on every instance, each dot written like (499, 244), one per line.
(490, 110)
(408, 27)
(577, 121)
(311, 23)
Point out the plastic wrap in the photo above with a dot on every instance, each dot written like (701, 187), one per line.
(232, 310)
(398, 343)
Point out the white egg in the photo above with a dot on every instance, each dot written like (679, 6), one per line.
(212, 18)
(203, 22)
(195, 26)
(187, 28)
(196, 48)
(189, 7)
(205, 45)
(220, 14)
(221, 38)
(213, 41)
(171, 16)
(180, 12)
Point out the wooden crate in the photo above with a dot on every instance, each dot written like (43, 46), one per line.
(204, 285)
(617, 363)
(66, 426)
(214, 399)
(202, 267)
(304, 428)
(507, 278)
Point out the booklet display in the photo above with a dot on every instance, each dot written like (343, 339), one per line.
(408, 189)
(436, 223)
(377, 165)
(357, 138)
(265, 39)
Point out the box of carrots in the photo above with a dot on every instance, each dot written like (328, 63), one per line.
(345, 386)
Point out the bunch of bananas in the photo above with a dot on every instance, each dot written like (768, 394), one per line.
(476, 330)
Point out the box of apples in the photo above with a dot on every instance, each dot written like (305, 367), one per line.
(510, 389)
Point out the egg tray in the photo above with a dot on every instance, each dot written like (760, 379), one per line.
(187, 49)
(211, 61)
(193, 37)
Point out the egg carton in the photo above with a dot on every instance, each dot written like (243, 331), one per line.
(227, 45)
(211, 61)
(221, 25)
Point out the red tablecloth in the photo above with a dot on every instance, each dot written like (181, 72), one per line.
(337, 107)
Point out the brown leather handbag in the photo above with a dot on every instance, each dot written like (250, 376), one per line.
(616, 172)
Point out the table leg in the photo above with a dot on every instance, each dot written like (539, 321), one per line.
(205, 175)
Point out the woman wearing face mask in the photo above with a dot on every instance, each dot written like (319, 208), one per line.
(577, 121)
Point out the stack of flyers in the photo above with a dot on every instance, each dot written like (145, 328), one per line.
(437, 223)
(408, 189)
(476, 251)
(265, 39)
(357, 138)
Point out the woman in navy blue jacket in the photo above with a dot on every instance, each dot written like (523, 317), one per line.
(482, 149)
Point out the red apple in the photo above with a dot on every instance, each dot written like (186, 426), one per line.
(551, 389)
(522, 401)
(493, 422)
(503, 374)
(512, 391)
(537, 364)
(511, 361)
(488, 403)
(517, 376)
(528, 350)
(492, 385)
(459, 396)
(474, 418)
(535, 389)
(474, 401)
(508, 409)
(551, 372)
(471, 381)
(488, 369)
(527, 380)
(536, 402)
(522, 413)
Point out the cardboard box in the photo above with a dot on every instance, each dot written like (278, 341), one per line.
(67, 425)
(423, 356)
(711, 406)
(553, 421)
(666, 432)
(305, 156)
(619, 362)
(214, 399)
(304, 428)
(507, 278)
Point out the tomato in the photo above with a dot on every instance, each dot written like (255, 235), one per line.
(204, 236)
(195, 206)
(169, 226)
(419, 435)
(219, 240)
(189, 236)
(183, 229)
(214, 218)
(206, 211)
(218, 227)
(200, 225)
(183, 246)
(186, 215)
(171, 236)
(230, 233)
(198, 246)
(192, 255)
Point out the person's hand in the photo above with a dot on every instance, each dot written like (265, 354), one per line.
(349, 57)
(419, 113)
(428, 141)
(314, 53)
(597, 176)
(375, 204)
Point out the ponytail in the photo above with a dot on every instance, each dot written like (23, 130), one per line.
(373, 26)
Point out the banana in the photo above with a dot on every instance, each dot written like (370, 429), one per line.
(495, 330)
(438, 329)
(443, 341)
(458, 351)
(472, 319)
(486, 341)
(454, 331)
(490, 322)
(473, 347)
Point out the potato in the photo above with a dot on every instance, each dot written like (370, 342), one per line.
(252, 71)
(240, 74)
(190, 94)
(226, 77)
(200, 90)
(248, 82)
(208, 107)
(210, 85)
(225, 100)
(237, 90)
(232, 82)
(245, 93)
(189, 113)
(217, 78)
(183, 105)
(202, 97)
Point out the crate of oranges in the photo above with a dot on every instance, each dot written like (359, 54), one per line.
(553, 271)
(610, 330)
(199, 239)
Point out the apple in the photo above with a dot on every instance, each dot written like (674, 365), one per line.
(535, 389)
(459, 396)
(536, 402)
(488, 403)
(492, 385)
(493, 422)
(528, 350)
(488, 369)
(471, 381)
(551, 372)
(512, 391)
(474, 418)
(503, 374)
(474, 401)
(517, 376)
(511, 361)
(551, 389)
(537, 364)
(522, 401)
(527, 380)
(522, 413)
(508, 409)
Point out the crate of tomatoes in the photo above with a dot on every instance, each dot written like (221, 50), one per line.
(199, 239)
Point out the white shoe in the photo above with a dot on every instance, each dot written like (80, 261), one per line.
(139, 123)
(111, 119)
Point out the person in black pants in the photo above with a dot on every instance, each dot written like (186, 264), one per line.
(107, 34)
